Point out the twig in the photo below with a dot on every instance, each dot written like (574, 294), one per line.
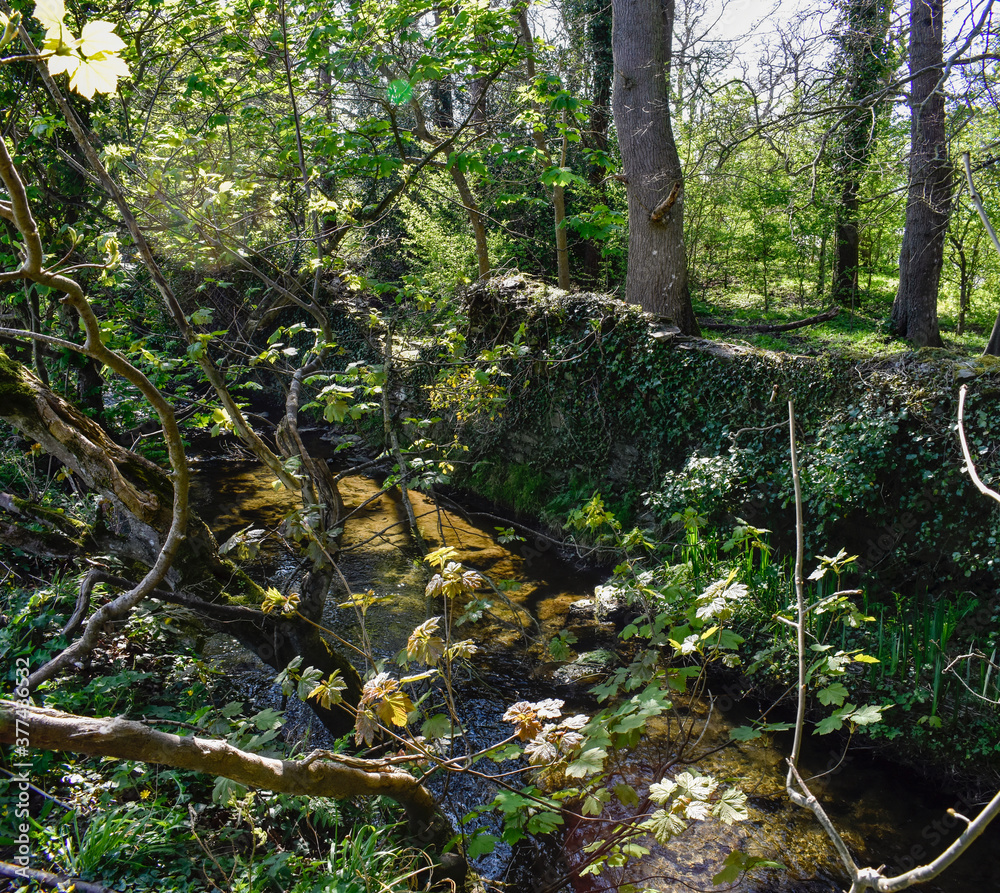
(980, 486)
(800, 625)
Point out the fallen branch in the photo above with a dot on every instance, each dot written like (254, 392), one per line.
(768, 327)
(333, 776)
(50, 881)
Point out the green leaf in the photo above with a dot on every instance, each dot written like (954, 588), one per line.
(664, 825)
(731, 806)
(737, 863)
(399, 91)
(833, 694)
(626, 794)
(744, 733)
(438, 726)
(590, 762)
(835, 721)
(866, 715)
(481, 844)
(544, 823)
(561, 176)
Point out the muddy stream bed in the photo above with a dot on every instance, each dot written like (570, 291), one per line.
(886, 814)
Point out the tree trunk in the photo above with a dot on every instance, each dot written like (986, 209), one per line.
(914, 312)
(145, 493)
(538, 132)
(657, 263)
(847, 259)
(864, 63)
(475, 221)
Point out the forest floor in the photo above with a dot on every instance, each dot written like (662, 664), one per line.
(860, 331)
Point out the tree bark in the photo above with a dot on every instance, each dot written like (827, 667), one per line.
(914, 312)
(320, 775)
(657, 264)
(864, 63)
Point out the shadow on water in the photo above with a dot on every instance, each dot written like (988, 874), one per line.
(887, 814)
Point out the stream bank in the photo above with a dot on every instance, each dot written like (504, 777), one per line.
(887, 813)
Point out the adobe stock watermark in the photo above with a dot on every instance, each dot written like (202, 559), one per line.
(20, 781)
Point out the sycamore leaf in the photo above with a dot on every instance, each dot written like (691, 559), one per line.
(51, 14)
(744, 733)
(365, 727)
(480, 844)
(423, 646)
(399, 91)
(833, 694)
(590, 762)
(98, 74)
(736, 863)
(394, 708)
(835, 721)
(98, 37)
(731, 806)
(626, 794)
(664, 825)
(544, 823)
(438, 726)
(866, 715)
(62, 63)
(660, 792)
(329, 693)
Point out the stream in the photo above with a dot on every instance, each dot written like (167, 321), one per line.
(886, 814)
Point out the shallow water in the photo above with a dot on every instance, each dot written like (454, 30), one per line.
(886, 814)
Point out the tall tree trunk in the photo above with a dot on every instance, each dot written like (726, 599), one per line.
(597, 14)
(847, 259)
(914, 312)
(538, 132)
(657, 263)
(864, 62)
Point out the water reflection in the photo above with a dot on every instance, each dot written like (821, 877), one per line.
(886, 814)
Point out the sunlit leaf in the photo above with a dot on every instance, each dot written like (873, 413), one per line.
(98, 74)
(98, 37)
(50, 13)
